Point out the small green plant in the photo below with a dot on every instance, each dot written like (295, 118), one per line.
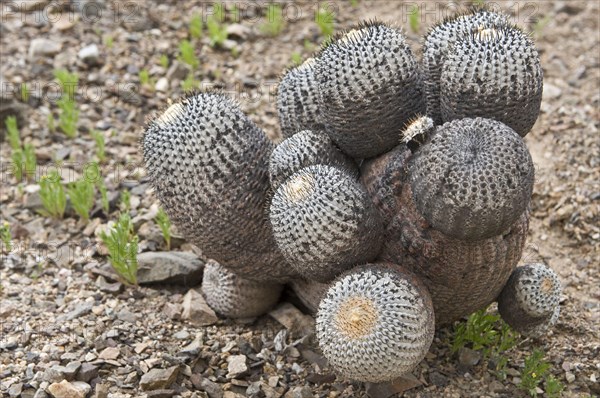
(534, 372)
(51, 124)
(540, 24)
(189, 83)
(553, 387)
(81, 193)
(69, 116)
(414, 19)
(125, 204)
(275, 23)
(67, 81)
(187, 54)
(325, 19)
(145, 79)
(296, 58)
(122, 244)
(165, 226)
(17, 163)
(164, 61)
(6, 237)
(100, 145)
(108, 41)
(354, 3)
(196, 26)
(30, 161)
(53, 196)
(217, 31)
(24, 92)
(13, 135)
(103, 195)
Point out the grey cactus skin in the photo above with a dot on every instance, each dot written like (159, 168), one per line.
(309, 292)
(324, 222)
(494, 73)
(369, 86)
(235, 297)
(529, 302)
(440, 40)
(297, 100)
(462, 276)
(303, 149)
(208, 164)
(375, 323)
(473, 179)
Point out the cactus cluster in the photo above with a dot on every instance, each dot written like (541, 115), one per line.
(396, 203)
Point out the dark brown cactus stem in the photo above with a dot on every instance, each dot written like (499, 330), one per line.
(375, 323)
(208, 164)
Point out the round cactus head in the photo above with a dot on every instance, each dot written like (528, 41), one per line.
(493, 73)
(235, 297)
(297, 100)
(208, 164)
(439, 42)
(529, 302)
(303, 149)
(375, 323)
(473, 179)
(324, 222)
(369, 86)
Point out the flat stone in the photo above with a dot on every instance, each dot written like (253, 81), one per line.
(157, 379)
(107, 287)
(551, 91)
(181, 268)
(468, 358)
(294, 320)
(570, 377)
(127, 316)
(438, 379)
(177, 71)
(43, 47)
(87, 372)
(162, 85)
(398, 386)
(236, 366)
(15, 389)
(89, 54)
(236, 30)
(299, 392)
(163, 393)
(110, 353)
(66, 389)
(196, 310)
(80, 310)
(213, 389)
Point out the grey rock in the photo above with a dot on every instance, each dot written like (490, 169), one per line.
(15, 389)
(87, 372)
(236, 366)
(108, 287)
(157, 379)
(162, 85)
(160, 393)
(294, 320)
(66, 389)
(177, 71)
(213, 389)
(89, 54)
(239, 31)
(182, 335)
(551, 91)
(43, 47)
(182, 268)
(80, 310)
(299, 392)
(468, 358)
(127, 316)
(438, 379)
(196, 310)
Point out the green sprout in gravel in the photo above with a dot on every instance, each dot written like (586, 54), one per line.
(189, 83)
(536, 371)
(164, 61)
(51, 123)
(217, 31)
(275, 23)
(196, 26)
(12, 130)
(109, 41)
(145, 78)
(122, 244)
(165, 226)
(69, 114)
(100, 145)
(53, 196)
(5, 237)
(24, 93)
(296, 58)
(103, 195)
(23, 158)
(125, 204)
(414, 19)
(81, 193)
(325, 20)
(187, 54)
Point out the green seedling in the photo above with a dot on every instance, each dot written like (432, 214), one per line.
(24, 92)
(414, 19)
(196, 26)
(189, 83)
(275, 23)
(296, 58)
(145, 78)
(5, 237)
(69, 116)
(103, 195)
(18, 162)
(217, 31)
(122, 244)
(534, 372)
(325, 19)
(125, 198)
(164, 61)
(82, 194)
(165, 226)
(51, 124)
(67, 81)
(52, 195)
(100, 145)
(30, 161)
(187, 54)
(13, 135)
(108, 41)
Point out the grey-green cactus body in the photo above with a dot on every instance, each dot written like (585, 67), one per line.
(440, 41)
(324, 222)
(234, 296)
(529, 302)
(375, 323)
(473, 179)
(369, 86)
(303, 149)
(208, 164)
(494, 73)
(297, 100)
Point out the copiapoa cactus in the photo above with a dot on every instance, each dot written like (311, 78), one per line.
(424, 226)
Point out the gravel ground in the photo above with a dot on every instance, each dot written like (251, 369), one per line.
(63, 316)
